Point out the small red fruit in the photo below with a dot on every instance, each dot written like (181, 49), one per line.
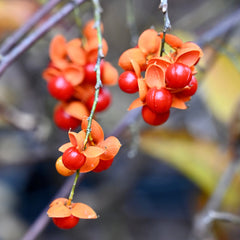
(104, 100)
(73, 159)
(60, 88)
(63, 120)
(128, 82)
(159, 100)
(153, 118)
(66, 222)
(190, 90)
(103, 165)
(178, 75)
(90, 73)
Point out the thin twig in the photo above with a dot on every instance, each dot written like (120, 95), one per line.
(21, 32)
(97, 18)
(225, 217)
(167, 25)
(37, 34)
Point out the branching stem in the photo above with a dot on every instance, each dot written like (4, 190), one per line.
(37, 34)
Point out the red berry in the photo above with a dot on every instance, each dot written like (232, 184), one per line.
(103, 165)
(66, 222)
(178, 75)
(191, 90)
(153, 118)
(159, 100)
(90, 73)
(128, 82)
(60, 88)
(104, 100)
(73, 159)
(63, 120)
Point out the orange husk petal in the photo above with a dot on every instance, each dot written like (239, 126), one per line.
(136, 104)
(83, 211)
(136, 68)
(65, 146)
(73, 138)
(93, 151)
(132, 54)
(97, 133)
(61, 201)
(89, 164)
(84, 91)
(61, 169)
(111, 146)
(149, 42)
(109, 74)
(77, 139)
(76, 109)
(142, 88)
(172, 40)
(89, 30)
(58, 211)
(188, 58)
(178, 102)
(160, 61)
(50, 73)
(57, 51)
(155, 76)
(192, 46)
(75, 52)
(74, 74)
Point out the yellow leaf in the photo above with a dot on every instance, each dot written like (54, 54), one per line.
(199, 160)
(221, 88)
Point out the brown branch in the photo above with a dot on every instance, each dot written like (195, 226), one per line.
(8, 59)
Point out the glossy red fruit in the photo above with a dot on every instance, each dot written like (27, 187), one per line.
(159, 100)
(128, 82)
(190, 90)
(66, 222)
(73, 159)
(65, 121)
(104, 100)
(60, 88)
(103, 165)
(90, 73)
(153, 118)
(178, 75)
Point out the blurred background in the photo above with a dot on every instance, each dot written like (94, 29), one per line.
(163, 175)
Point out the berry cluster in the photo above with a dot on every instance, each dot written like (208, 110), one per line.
(66, 214)
(71, 77)
(168, 80)
(97, 155)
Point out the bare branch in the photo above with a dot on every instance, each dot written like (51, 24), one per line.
(21, 32)
(37, 34)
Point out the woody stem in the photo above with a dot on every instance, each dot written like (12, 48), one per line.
(97, 18)
(167, 25)
(11, 55)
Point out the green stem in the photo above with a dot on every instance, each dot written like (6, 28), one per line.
(97, 18)
(70, 198)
